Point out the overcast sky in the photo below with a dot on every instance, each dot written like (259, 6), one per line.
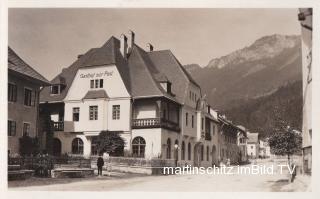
(51, 39)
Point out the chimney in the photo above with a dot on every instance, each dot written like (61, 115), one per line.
(150, 47)
(131, 39)
(124, 45)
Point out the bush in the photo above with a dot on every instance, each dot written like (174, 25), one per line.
(29, 146)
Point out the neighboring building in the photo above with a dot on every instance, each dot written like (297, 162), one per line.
(253, 145)
(305, 18)
(264, 149)
(145, 96)
(24, 85)
(228, 141)
(242, 144)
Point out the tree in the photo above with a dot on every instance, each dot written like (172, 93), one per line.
(110, 142)
(286, 142)
(29, 146)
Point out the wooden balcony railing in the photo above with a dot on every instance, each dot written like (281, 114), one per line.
(58, 126)
(155, 123)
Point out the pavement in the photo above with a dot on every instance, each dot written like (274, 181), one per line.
(234, 182)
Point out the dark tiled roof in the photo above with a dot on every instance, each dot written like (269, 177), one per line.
(16, 64)
(94, 94)
(167, 63)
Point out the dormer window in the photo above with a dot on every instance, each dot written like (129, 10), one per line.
(166, 86)
(55, 89)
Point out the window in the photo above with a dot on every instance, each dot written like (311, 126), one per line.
(138, 147)
(96, 83)
(202, 123)
(94, 145)
(75, 114)
(77, 146)
(207, 153)
(189, 151)
(92, 83)
(192, 121)
(202, 153)
(93, 112)
(11, 128)
(116, 112)
(26, 129)
(27, 97)
(12, 92)
(55, 89)
(168, 148)
(182, 151)
(186, 119)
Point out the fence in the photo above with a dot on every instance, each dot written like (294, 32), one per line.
(135, 165)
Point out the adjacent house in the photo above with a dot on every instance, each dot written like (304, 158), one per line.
(305, 18)
(24, 84)
(242, 144)
(253, 145)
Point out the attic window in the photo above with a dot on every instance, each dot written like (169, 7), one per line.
(55, 89)
(166, 86)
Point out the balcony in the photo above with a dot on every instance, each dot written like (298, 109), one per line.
(155, 123)
(58, 126)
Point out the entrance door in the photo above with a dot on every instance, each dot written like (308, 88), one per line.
(56, 145)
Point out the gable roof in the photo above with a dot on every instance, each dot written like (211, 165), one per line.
(18, 66)
(252, 137)
(94, 94)
(108, 53)
(168, 64)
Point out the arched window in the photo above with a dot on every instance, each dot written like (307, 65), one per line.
(138, 147)
(77, 146)
(168, 148)
(176, 148)
(189, 151)
(202, 152)
(182, 151)
(207, 153)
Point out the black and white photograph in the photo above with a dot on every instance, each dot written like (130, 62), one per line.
(159, 99)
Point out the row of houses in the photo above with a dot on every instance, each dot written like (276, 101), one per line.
(145, 96)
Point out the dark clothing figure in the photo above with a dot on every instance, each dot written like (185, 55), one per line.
(100, 164)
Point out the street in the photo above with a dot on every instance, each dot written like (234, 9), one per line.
(184, 183)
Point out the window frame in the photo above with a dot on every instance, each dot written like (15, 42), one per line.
(116, 111)
(10, 122)
(73, 114)
(59, 89)
(12, 97)
(24, 98)
(93, 112)
(23, 128)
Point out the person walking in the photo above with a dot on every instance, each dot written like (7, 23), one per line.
(100, 163)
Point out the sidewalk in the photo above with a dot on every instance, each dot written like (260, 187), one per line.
(301, 183)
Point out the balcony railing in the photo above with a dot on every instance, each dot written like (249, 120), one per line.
(58, 126)
(155, 123)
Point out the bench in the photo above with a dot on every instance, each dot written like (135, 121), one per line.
(19, 174)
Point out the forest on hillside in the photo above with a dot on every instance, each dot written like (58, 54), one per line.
(257, 115)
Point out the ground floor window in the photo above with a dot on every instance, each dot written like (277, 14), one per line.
(189, 151)
(202, 153)
(168, 148)
(94, 145)
(138, 147)
(207, 153)
(11, 128)
(182, 151)
(77, 146)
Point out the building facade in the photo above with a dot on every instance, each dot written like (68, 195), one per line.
(24, 85)
(305, 18)
(253, 145)
(144, 95)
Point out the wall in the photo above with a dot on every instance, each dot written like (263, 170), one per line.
(20, 113)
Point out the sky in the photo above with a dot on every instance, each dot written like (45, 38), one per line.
(50, 39)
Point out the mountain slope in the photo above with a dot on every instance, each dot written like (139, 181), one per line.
(258, 114)
(249, 73)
